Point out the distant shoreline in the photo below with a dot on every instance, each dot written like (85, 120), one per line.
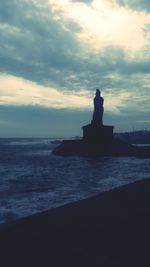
(133, 137)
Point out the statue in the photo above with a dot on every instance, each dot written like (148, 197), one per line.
(98, 109)
(96, 132)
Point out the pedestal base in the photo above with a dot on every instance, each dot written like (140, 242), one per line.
(98, 133)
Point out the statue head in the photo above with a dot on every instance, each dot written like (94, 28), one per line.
(98, 92)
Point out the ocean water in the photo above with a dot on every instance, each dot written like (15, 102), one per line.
(32, 179)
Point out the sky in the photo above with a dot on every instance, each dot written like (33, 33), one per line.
(55, 53)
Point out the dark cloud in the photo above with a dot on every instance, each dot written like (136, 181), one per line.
(41, 122)
(139, 5)
(39, 48)
(34, 45)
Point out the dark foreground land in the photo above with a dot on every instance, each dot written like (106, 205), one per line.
(111, 229)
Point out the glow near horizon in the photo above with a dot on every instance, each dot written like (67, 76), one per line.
(23, 92)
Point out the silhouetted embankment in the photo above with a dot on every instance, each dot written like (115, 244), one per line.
(111, 229)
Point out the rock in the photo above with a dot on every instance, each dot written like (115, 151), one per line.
(83, 148)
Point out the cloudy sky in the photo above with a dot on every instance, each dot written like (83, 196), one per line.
(55, 53)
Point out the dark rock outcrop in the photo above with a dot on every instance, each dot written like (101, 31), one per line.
(117, 148)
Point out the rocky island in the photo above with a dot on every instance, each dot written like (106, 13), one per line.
(98, 139)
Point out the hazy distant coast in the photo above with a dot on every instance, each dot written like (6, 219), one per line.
(110, 229)
(135, 137)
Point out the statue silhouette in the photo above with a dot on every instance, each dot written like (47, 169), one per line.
(98, 109)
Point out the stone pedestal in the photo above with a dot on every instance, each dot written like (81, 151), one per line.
(98, 133)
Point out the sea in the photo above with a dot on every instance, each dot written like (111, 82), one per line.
(33, 180)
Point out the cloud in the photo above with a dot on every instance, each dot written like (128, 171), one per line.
(24, 92)
(34, 45)
(44, 46)
(55, 53)
(104, 23)
(33, 121)
(136, 4)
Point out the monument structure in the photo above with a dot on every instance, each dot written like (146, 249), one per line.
(98, 140)
(96, 131)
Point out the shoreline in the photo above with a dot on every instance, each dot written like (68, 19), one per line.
(110, 229)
